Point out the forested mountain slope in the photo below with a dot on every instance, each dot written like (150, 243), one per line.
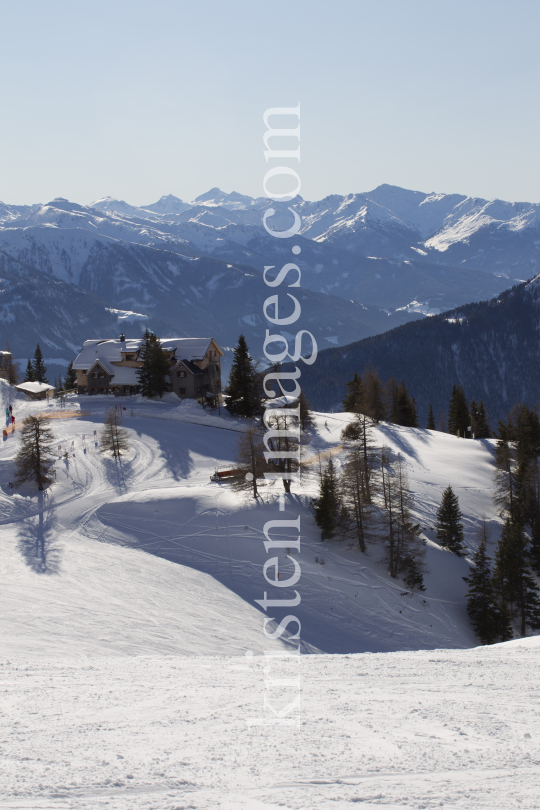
(491, 348)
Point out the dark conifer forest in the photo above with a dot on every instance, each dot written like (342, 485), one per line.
(491, 349)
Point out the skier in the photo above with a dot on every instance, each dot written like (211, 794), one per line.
(13, 420)
(11, 410)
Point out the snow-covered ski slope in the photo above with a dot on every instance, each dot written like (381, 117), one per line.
(451, 729)
(148, 556)
(132, 665)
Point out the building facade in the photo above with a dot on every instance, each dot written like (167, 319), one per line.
(110, 367)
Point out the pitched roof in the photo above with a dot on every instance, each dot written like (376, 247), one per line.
(111, 350)
(195, 370)
(34, 387)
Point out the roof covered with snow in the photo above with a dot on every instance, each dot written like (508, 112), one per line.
(111, 350)
(34, 387)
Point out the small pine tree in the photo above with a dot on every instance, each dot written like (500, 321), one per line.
(354, 401)
(29, 375)
(391, 391)
(70, 380)
(40, 369)
(513, 577)
(479, 421)
(431, 419)
(458, 412)
(306, 418)
(490, 620)
(373, 395)
(449, 526)
(328, 506)
(113, 437)
(405, 414)
(243, 396)
(35, 454)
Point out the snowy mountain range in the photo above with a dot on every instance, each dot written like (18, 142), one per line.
(369, 262)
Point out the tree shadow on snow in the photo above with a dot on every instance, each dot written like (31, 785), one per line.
(118, 471)
(37, 541)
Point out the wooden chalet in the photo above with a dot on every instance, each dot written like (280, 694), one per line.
(110, 367)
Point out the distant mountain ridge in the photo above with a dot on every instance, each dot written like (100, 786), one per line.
(369, 261)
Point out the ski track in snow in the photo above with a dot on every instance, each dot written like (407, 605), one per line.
(424, 729)
(127, 607)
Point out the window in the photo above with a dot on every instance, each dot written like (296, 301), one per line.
(180, 373)
(94, 375)
(182, 391)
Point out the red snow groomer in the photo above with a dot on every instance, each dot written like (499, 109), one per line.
(225, 474)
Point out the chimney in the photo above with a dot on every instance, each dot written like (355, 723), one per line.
(122, 338)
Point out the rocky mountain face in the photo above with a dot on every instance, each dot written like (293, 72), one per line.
(369, 262)
(491, 348)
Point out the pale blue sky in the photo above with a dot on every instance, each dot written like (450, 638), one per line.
(137, 99)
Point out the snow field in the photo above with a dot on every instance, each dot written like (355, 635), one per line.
(132, 648)
(430, 729)
(78, 548)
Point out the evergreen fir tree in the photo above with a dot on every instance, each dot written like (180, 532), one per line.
(40, 370)
(35, 454)
(354, 401)
(373, 395)
(144, 372)
(152, 375)
(490, 621)
(523, 429)
(328, 506)
(391, 390)
(29, 375)
(513, 577)
(458, 412)
(70, 380)
(406, 408)
(431, 419)
(534, 549)
(243, 396)
(479, 422)
(306, 418)
(449, 526)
